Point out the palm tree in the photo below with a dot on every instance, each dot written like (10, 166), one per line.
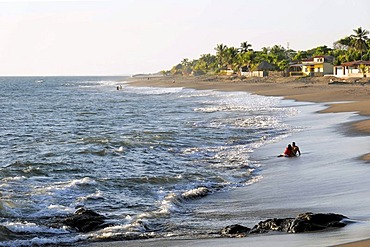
(231, 54)
(359, 39)
(220, 54)
(343, 44)
(186, 66)
(209, 61)
(245, 46)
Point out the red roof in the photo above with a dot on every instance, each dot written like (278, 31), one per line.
(355, 63)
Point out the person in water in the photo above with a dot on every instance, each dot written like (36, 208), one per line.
(288, 152)
(296, 150)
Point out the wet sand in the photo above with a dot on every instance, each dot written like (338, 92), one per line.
(339, 97)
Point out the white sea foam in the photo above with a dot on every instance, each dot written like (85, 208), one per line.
(97, 195)
(62, 186)
(254, 180)
(60, 208)
(9, 179)
(40, 241)
(103, 83)
(153, 90)
(195, 193)
(168, 204)
(30, 227)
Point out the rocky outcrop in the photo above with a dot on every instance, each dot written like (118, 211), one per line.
(235, 230)
(85, 220)
(305, 222)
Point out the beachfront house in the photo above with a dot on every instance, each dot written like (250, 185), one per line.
(245, 71)
(226, 70)
(353, 69)
(262, 70)
(315, 66)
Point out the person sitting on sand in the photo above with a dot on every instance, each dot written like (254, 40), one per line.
(296, 150)
(288, 152)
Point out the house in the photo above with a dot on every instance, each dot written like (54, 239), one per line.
(262, 70)
(227, 70)
(315, 66)
(353, 69)
(245, 71)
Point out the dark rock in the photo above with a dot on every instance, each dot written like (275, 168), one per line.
(305, 222)
(235, 230)
(275, 224)
(85, 220)
(314, 222)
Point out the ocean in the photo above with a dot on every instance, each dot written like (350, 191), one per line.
(161, 162)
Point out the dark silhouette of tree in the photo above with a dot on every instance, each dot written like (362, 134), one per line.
(245, 47)
(359, 40)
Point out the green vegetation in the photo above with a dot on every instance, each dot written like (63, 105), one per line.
(350, 48)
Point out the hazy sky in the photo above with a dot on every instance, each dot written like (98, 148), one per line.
(120, 37)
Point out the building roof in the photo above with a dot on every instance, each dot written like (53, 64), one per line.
(327, 59)
(296, 65)
(324, 56)
(356, 63)
(265, 66)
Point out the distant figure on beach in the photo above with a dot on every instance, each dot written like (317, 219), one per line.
(117, 87)
(288, 152)
(296, 150)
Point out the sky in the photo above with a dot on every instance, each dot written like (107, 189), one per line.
(125, 37)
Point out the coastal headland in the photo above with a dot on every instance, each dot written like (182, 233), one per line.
(340, 95)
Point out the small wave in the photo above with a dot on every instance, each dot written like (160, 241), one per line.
(66, 186)
(134, 231)
(223, 108)
(259, 122)
(195, 193)
(28, 227)
(94, 84)
(154, 90)
(173, 201)
(81, 182)
(95, 196)
(191, 93)
(59, 209)
(254, 180)
(10, 179)
(30, 234)
(43, 241)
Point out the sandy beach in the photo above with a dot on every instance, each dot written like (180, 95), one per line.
(340, 95)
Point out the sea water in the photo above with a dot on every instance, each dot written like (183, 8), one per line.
(144, 157)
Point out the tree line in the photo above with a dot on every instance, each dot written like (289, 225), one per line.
(350, 48)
